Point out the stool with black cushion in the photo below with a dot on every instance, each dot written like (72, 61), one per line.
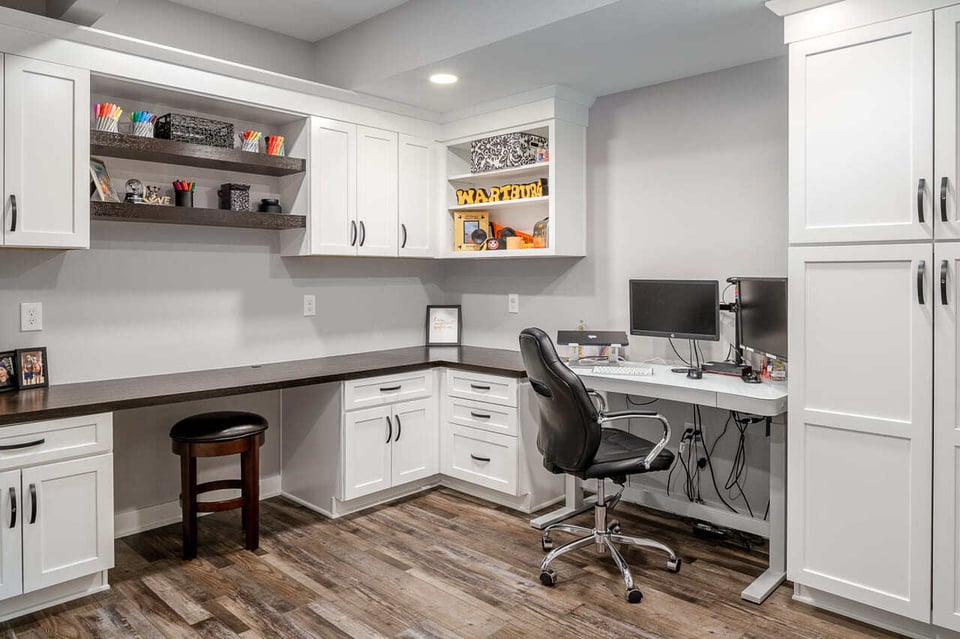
(215, 435)
(573, 440)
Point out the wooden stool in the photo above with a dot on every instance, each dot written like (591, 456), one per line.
(215, 435)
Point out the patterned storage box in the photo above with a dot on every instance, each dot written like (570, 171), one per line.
(504, 151)
(187, 128)
(235, 197)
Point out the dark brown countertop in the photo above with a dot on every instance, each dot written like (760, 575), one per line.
(69, 400)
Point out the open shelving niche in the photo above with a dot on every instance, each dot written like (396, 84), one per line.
(564, 205)
(158, 161)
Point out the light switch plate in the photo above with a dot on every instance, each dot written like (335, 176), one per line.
(513, 303)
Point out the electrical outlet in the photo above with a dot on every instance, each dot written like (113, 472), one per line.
(31, 316)
(513, 303)
(309, 305)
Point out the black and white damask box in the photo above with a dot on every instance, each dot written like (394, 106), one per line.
(504, 151)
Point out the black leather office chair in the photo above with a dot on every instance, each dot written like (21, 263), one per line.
(573, 441)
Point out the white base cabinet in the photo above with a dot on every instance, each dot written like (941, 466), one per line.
(859, 437)
(351, 445)
(56, 510)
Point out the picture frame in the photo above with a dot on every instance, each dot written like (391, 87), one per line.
(32, 368)
(8, 371)
(444, 325)
(465, 225)
(101, 180)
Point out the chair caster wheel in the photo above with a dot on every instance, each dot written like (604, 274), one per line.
(548, 577)
(547, 544)
(673, 565)
(614, 527)
(634, 595)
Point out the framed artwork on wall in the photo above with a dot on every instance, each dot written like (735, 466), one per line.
(444, 325)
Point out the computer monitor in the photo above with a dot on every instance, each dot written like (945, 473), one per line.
(684, 309)
(763, 315)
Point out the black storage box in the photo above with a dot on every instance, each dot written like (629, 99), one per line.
(188, 128)
(235, 197)
(505, 151)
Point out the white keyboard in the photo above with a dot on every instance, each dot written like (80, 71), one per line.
(630, 371)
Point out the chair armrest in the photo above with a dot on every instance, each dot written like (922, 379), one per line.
(602, 403)
(646, 414)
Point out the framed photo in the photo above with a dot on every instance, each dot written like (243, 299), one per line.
(470, 230)
(101, 180)
(8, 371)
(32, 370)
(443, 326)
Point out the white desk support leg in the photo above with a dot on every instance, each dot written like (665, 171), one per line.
(574, 503)
(764, 585)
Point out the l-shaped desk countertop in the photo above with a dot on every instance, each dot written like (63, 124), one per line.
(87, 398)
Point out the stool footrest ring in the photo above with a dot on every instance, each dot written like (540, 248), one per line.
(218, 506)
(220, 484)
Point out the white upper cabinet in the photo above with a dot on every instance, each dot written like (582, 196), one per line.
(861, 134)
(332, 222)
(859, 438)
(417, 185)
(947, 144)
(46, 150)
(377, 192)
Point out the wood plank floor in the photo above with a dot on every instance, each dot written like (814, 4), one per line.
(436, 565)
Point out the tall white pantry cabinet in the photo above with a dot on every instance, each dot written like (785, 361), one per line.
(874, 422)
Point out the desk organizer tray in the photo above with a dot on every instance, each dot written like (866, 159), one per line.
(194, 130)
(504, 151)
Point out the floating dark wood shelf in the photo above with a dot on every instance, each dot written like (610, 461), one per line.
(132, 147)
(123, 212)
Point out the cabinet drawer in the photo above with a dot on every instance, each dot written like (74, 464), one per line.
(376, 391)
(486, 388)
(41, 442)
(483, 415)
(482, 458)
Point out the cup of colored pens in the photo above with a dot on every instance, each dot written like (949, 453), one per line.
(250, 141)
(143, 123)
(275, 145)
(105, 116)
(183, 192)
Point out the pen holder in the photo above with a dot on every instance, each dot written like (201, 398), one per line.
(183, 198)
(252, 146)
(106, 124)
(143, 129)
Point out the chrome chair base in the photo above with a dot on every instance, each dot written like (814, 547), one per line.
(605, 538)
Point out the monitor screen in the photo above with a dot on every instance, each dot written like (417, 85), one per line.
(685, 309)
(763, 315)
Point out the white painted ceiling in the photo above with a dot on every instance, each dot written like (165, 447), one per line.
(504, 47)
(309, 20)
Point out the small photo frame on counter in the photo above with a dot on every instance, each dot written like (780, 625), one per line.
(444, 325)
(101, 180)
(8, 371)
(32, 369)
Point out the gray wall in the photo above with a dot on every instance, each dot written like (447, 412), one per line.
(686, 179)
(181, 27)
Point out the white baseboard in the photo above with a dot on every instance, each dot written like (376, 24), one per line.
(870, 615)
(130, 522)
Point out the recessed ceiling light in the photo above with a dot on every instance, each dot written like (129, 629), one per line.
(443, 78)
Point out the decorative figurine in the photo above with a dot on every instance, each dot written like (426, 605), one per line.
(134, 191)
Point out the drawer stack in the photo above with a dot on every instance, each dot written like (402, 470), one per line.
(480, 432)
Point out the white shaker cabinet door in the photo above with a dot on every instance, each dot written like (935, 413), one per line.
(861, 134)
(377, 192)
(46, 155)
(67, 520)
(860, 423)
